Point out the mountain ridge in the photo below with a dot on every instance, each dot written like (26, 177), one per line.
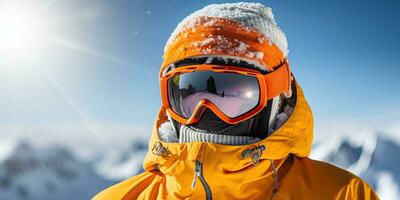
(55, 172)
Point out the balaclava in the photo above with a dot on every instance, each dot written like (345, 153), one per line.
(236, 34)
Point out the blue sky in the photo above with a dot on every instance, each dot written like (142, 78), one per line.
(95, 64)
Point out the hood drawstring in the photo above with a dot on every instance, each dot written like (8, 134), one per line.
(276, 179)
(255, 155)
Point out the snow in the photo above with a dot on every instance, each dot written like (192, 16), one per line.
(222, 43)
(368, 154)
(322, 151)
(6, 149)
(253, 16)
(367, 140)
(203, 42)
(242, 46)
(393, 131)
(48, 173)
(387, 187)
(260, 55)
(233, 59)
(167, 133)
(115, 168)
(278, 119)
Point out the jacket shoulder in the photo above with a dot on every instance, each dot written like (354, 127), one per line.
(334, 180)
(128, 189)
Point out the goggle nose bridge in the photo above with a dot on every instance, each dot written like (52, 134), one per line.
(201, 108)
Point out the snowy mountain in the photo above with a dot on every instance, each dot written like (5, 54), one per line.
(121, 164)
(369, 155)
(30, 173)
(53, 172)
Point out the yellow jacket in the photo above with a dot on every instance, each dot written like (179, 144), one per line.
(274, 168)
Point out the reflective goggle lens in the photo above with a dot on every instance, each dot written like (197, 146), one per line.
(234, 94)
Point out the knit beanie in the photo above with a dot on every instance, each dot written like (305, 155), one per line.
(245, 31)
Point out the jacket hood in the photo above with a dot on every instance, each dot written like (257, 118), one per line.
(233, 164)
(170, 168)
(244, 32)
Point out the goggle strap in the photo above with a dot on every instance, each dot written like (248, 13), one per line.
(278, 81)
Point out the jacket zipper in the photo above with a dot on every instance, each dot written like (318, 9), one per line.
(198, 173)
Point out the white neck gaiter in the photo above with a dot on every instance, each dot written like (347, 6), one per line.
(188, 134)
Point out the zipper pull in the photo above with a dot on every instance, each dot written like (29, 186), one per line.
(197, 172)
(194, 182)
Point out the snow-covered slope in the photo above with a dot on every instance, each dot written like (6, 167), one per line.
(30, 173)
(369, 155)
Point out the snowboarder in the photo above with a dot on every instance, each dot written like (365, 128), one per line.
(234, 122)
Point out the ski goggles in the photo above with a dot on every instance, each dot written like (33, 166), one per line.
(233, 93)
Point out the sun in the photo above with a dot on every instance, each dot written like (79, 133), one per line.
(249, 94)
(20, 30)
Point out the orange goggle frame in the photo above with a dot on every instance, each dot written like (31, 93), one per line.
(271, 84)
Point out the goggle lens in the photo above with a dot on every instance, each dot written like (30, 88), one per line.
(234, 94)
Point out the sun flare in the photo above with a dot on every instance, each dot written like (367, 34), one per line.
(20, 28)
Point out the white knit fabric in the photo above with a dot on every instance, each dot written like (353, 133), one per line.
(189, 135)
(250, 15)
(167, 133)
